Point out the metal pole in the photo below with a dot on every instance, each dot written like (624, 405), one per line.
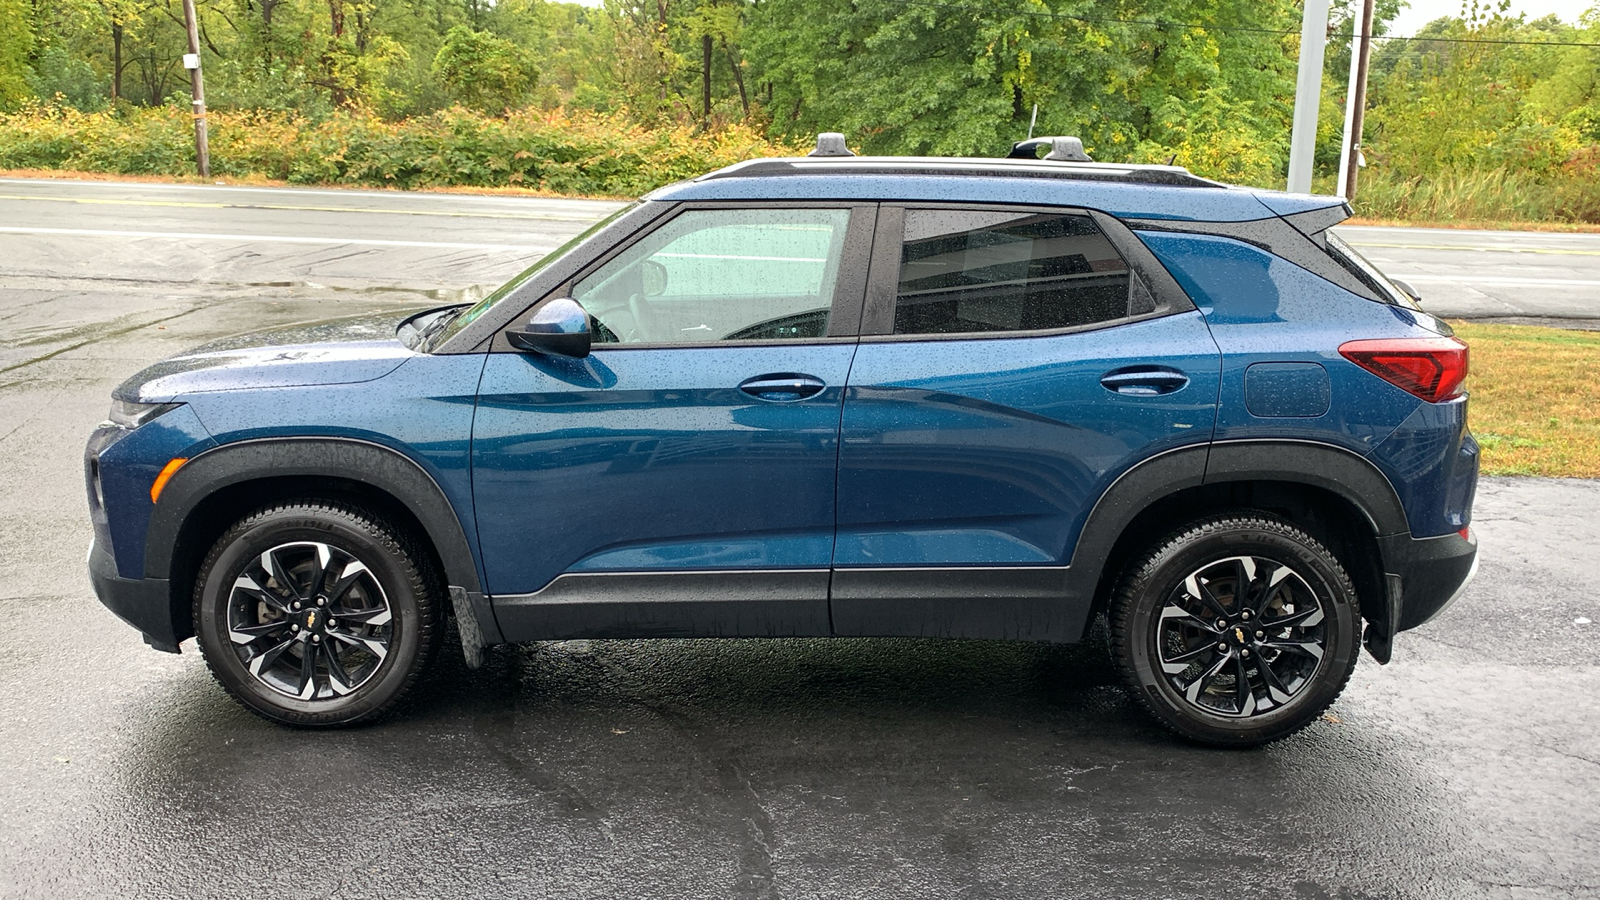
(191, 61)
(1307, 95)
(1358, 101)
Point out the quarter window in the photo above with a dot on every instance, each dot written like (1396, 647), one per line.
(721, 275)
(965, 271)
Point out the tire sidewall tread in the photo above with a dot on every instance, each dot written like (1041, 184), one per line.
(405, 573)
(1142, 590)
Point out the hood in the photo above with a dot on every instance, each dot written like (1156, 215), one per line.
(334, 351)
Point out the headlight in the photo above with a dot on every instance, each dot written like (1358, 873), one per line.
(129, 415)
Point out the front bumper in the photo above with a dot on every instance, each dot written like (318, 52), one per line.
(144, 603)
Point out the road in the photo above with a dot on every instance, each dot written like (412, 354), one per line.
(801, 768)
(1512, 275)
(454, 245)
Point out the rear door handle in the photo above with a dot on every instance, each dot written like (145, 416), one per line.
(1144, 381)
(782, 387)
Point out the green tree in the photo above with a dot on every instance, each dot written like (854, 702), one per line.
(16, 43)
(905, 77)
(1464, 103)
(484, 71)
(58, 73)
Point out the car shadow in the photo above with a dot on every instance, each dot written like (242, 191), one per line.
(722, 767)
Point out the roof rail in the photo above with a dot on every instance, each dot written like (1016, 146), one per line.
(1062, 149)
(830, 143)
(1172, 176)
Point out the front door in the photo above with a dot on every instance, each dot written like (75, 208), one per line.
(680, 480)
(1023, 366)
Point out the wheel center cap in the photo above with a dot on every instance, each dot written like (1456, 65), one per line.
(312, 620)
(1237, 633)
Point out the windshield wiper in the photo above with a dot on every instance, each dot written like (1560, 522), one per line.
(437, 325)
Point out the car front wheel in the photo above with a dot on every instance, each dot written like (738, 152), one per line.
(316, 613)
(1236, 630)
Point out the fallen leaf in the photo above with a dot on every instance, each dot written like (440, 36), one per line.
(618, 731)
(1332, 718)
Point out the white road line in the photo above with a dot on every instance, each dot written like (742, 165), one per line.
(1504, 282)
(262, 238)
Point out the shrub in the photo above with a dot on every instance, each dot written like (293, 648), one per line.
(589, 154)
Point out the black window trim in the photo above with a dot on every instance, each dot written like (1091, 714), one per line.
(485, 333)
(877, 322)
(844, 318)
(1279, 237)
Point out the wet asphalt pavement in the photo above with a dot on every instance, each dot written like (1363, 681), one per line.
(1470, 767)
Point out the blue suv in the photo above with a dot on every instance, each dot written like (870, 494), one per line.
(830, 395)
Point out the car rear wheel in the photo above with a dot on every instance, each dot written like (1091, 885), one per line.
(1236, 630)
(316, 614)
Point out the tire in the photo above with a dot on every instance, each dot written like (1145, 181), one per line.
(1225, 672)
(345, 661)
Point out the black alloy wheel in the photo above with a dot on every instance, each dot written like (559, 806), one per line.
(316, 613)
(1236, 630)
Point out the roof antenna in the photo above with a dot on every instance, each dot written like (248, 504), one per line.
(1033, 121)
(1172, 159)
(830, 143)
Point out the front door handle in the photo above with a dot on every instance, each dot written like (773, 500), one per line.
(783, 387)
(1144, 381)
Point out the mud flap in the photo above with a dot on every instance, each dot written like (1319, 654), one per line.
(467, 624)
(1379, 638)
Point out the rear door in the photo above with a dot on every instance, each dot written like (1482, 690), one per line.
(681, 479)
(1013, 363)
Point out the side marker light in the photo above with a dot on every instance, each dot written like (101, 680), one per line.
(167, 471)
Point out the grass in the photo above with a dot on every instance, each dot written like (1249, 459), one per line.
(1480, 225)
(1568, 195)
(1535, 406)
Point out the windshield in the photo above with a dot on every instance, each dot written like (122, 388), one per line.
(1359, 266)
(467, 317)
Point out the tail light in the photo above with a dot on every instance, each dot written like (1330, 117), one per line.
(1431, 368)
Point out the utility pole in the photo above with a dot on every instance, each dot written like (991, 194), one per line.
(1307, 94)
(1355, 109)
(191, 61)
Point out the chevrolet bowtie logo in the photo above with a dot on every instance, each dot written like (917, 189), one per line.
(311, 620)
(1237, 632)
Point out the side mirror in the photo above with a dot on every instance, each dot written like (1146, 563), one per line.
(560, 328)
(1410, 291)
(652, 278)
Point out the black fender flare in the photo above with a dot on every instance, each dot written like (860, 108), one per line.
(1334, 469)
(1339, 471)
(383, 468)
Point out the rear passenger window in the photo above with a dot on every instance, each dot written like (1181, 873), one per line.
(964, 271)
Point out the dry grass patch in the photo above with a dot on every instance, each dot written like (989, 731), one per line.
(1535, 405)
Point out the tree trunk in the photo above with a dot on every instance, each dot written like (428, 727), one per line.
(705, 82)
(268, 7)
(738, 79)
(116, 60)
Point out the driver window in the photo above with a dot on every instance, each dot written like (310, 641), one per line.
(720, 275)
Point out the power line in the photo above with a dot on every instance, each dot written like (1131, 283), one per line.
(1240, 29)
